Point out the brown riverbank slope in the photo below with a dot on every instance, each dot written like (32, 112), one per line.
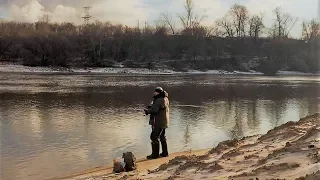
(290, 151)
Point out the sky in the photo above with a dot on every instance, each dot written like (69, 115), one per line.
(128, 12)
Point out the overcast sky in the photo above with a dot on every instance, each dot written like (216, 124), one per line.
(130, 11)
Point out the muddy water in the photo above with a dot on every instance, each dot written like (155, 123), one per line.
(54, 125)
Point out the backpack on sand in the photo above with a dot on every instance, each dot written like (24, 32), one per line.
(118, 165)
(130, 161)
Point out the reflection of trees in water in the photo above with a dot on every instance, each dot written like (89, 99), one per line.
(308, 106)
(87, 113)
(237, 130)
(189, 118)
(303, 107)
(314, 104)
(220, 112)
(88, 100)
(186, 136)
(252, 115)
(227, 115)
(4, 107)
(229, 106)
(43, 104)
(231, 116)
(275, 111)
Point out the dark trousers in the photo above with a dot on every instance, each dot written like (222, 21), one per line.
(158, 133)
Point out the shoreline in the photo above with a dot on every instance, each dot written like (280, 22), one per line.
(143, 165)
(12, 68)
(289, 151)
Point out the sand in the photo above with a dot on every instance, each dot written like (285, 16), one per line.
(143, 165)
(290, 151)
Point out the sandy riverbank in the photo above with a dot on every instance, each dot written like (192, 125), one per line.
(143, 166)
(290, 151)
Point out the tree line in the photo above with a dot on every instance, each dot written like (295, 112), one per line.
(237, 41)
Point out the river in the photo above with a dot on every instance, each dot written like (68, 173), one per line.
(57, 124)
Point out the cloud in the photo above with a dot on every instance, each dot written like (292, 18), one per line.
(28, 13)
(64, 13)
(33, 11)
(120, 11)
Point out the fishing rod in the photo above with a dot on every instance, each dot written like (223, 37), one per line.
(124, 100)
(178, 105)
(130, 102)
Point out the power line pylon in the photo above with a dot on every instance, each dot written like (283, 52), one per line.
(86, 16)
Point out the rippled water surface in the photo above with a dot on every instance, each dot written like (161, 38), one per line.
(55, 125)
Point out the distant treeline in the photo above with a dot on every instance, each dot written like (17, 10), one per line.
(238, 41)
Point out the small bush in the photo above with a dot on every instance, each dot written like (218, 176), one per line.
(178, 66)
(298, 65)
(268, 67)
(132, 64)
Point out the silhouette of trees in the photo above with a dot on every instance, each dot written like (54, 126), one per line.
(310, 30)
(190, 20)
(240, 18)
(233, 43)
(168, 21)
(226, 25)
(256, 26)
(283, 24)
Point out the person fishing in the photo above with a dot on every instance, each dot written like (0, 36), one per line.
(159, 121)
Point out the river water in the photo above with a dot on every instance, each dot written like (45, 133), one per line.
(57, 124)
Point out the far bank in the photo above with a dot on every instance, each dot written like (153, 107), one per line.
(15, 68)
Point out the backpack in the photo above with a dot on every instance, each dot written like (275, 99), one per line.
(118, 165)
(130, 161)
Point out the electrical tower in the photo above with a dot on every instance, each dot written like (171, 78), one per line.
(86, 16)
(45, 17)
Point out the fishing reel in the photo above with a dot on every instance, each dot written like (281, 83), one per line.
(148, 107)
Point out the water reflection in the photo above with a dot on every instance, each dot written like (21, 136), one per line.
(73, 123)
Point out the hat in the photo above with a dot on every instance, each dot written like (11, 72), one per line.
(158, 89)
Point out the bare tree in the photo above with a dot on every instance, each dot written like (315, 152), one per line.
(160, 27)
(67, 28)
(283, 24)
(190, 19)
(256, 26)
(226, 25)
(213, 31)
(168, 21)
(310, 30)
(186, 19)
(240, 17)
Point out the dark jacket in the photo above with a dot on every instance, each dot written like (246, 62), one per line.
(160, 111)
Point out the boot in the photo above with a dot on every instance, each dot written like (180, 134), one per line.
(155, 151)
(164, 149)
